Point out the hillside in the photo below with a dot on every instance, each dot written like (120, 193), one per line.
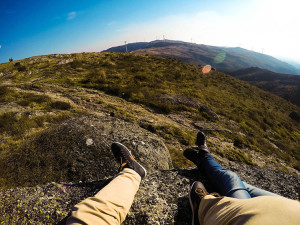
(284, 85)
(222, 58)
(60, 113)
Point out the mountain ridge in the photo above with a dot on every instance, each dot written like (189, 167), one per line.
(222, 58)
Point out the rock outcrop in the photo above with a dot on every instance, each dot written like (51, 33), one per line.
(78, 150)
(161, 199)
(85, 164)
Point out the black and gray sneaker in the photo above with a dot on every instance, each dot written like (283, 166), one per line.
(201, 142)
(126, 160)
(197, 192)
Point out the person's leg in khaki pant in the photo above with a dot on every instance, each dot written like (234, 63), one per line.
(112, 203)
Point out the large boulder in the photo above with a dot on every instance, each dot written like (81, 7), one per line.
(78, 150)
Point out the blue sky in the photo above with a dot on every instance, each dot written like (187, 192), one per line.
(29, 28)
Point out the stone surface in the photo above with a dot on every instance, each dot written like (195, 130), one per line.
(83, 144)
(210, 126)
(79, 150)
(161, 199)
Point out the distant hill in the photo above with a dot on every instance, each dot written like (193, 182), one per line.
(222, 58)
(284, 85)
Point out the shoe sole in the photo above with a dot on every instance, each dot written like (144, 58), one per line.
(191, 204)
(133, 157)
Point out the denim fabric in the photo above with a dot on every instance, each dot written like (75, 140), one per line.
(255, 192)
(228, 183)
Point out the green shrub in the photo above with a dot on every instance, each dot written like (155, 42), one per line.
(171, 132)
(235, 155)
(240, 142)
(60, 105)
(75, 64)
(7, 94)
(20, 67)
(178, 159)
(120, 113)
(17, 124)
(28, 99)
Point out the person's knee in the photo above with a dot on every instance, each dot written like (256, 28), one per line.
(232, 175)
(233, 179)
(227, 175)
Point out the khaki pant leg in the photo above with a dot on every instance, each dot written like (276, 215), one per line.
(111, 204)
(266, 210)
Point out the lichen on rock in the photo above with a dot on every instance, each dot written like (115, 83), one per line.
(79, 150)
(161, 199)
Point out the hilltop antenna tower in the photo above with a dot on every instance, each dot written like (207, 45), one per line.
(126, 46)
(164, 37)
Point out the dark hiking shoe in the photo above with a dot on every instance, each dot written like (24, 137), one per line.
(201, 142)
(126, 160)
(193, 156)
(197, 192)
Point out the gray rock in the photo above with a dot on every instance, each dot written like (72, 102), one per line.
(161, 199)
(210, 126)
(79, 150)
(208, 111)
(65, 61)
(81, 147)
(180, 100)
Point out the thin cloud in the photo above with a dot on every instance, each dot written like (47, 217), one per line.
(111, 23)
(277, 36)
(71, 15)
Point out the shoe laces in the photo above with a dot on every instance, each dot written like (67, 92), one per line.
(126, 160)
(215, 194)
(200, 192)
(122, 166)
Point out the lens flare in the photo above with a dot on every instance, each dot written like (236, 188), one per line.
(220, 57)
(206, 69)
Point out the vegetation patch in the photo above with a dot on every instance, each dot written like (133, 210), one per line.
(17, 124)
(120, 113)
(178, 159)
(34, 101)
(267, 122)
(19, 130)
(170, 132)
(235, 155)
(60, 105)
(7, 94)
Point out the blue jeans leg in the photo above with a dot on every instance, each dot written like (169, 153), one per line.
(226, 182)
(255, 192)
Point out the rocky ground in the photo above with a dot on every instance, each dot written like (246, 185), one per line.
(163, 194)
(81, 147)
(161, 199)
